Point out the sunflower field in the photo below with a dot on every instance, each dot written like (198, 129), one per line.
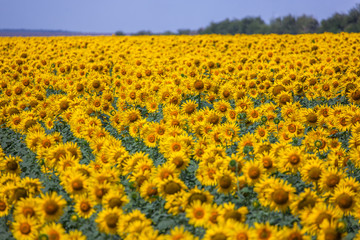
(209, 137)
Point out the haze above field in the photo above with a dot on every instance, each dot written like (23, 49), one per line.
(110, 16)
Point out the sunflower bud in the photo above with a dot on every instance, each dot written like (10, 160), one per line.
(43, 237)
(74, 218)
(318, 143)
(341, 226)
(232, 163)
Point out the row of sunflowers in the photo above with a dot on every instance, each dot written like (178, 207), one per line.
(180, 137)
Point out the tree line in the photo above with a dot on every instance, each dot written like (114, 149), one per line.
(338, 22)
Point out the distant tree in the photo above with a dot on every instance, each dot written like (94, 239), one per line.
(306, 24)
(335, 24)
(285, 25)
(184, 32)
(168, 33)
(143, 32)
(252, 25)
(289, 24)
(353, 20)
(119, 33)
(248, 25)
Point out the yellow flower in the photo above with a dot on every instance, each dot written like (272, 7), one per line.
(198, 213)
(304, 202)
(84, 206)
(293, 233)
(228, 212)
(344, 200)
(10, 164)
(53, 231)
(253, 171)
(265, 231)
(26, 207)
(109, 219)
(4, 206)
(226, 181)
(76, 235)
(51, 206)
(280, 195)
(179, 233)
(25, 228)
(291, 159)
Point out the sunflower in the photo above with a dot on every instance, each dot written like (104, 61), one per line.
(310, 117)
(75, 183)
(131, 161)
(189, 107)
(222, 107)
(229, 132)
(293, 233)
(284, 98)
(51, 206)
(344, 200)
(207, 174)
(312, 170)
(172, 145)
(165, 171)
(53, 231)
(268, 160)
(25, 228)
(131, 116)
(350, 182)
(331, 177)
(76, 235)
(99, 190)
(280, 195)
(84, 206)
(217, 232)
(354, 96)
(247, 140)
(229, 212)
(179, 233)
(253, 171)
(321, 212)
(291, 159)
(130, 220)
(10, 164)
(198, 213)
(171, 186)
(26, 207)
(304, 202)
(213, 117)
(330, 230)
(149, 191)
(4, 206)
(226, 181)
(152, 105)
(33, 140)
(262, 133)
(196, 194)
(180, 159)
(137, 178)
(144, 165)
(173, 203)
(265, 231)
(139, 229)
(150, 140)
(241, 231)
(253, 114)
(109, 219)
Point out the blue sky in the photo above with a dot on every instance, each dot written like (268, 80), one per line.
(130, 16)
